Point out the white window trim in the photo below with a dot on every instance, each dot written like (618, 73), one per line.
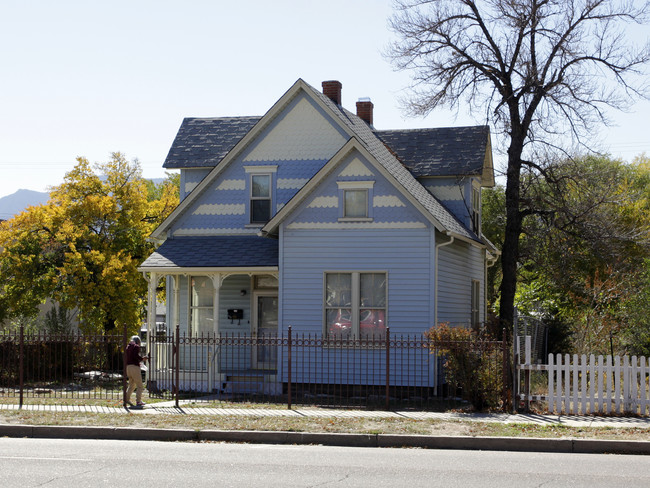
(355, 185)
(259, 171)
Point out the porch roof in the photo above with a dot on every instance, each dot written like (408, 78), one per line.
(214, 252)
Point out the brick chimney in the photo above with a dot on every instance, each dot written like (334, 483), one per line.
(364, 110)
(332, 89)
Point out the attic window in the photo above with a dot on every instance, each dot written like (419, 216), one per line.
(355, 203)
(354, 200)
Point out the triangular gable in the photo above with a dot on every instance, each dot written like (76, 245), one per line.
(354, 167)
(257, 131)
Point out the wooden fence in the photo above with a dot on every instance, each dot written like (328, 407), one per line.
(580, 385)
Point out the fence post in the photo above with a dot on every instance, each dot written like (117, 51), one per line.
(289, 368)
(177, 365)
(515, 362)
(124, 344)
(504, 372)
(21, 365)
(387, 368)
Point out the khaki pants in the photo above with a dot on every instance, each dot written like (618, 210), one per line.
(135, 383)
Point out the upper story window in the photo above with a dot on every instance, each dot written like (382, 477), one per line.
(260, 193)
(260, 198)
(354, 200)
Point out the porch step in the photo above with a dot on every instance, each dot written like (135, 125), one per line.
(251, 384)
(246, 379)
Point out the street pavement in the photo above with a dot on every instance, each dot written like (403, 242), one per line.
(364, 440)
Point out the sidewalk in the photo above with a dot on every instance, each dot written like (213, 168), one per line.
(567, 445)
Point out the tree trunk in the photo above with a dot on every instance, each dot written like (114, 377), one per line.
(510, 249)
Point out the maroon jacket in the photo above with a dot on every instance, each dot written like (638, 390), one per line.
(133, 354)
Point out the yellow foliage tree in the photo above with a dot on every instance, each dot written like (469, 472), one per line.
(83, 246)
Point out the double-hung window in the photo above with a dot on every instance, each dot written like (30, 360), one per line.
(201, 305)
(260, 193)
(260, 199)
(355, 305)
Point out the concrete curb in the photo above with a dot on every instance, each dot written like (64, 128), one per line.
(522, 444)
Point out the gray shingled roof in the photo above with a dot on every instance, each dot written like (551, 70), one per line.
(214, 252)
(447, 151)
(204, 142)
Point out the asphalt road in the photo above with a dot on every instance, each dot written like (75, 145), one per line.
(80, 463)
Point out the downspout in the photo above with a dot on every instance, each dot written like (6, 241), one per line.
(435, 298)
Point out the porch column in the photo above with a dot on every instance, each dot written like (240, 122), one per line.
(176, 315)
(151, 308)
(216, 283)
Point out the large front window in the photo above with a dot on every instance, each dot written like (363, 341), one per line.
(201, 306)
(355, 305)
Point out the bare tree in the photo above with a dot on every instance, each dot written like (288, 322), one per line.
(538, 70)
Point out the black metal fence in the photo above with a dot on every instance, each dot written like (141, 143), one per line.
(65, 367)
(307, 369)
(385, 372)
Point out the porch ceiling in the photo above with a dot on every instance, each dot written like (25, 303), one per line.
(214, 252)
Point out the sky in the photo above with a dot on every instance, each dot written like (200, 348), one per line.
(88, 78)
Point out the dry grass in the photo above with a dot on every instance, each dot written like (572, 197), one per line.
(334, 425)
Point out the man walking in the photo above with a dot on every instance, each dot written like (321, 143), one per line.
(133, 360)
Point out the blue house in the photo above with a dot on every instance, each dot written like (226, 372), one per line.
(309, 217)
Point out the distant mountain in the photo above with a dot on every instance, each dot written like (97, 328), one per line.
(17, 202)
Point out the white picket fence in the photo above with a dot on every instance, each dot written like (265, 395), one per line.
(579, 385)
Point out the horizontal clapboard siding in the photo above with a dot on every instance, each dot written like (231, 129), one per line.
(405, 255)
(460, 263)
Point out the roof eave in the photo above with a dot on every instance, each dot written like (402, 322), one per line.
(207, 269)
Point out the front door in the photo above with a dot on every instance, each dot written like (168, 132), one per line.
(265, 328)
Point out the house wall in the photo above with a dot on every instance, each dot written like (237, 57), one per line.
(406, 258)
(460, 263)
